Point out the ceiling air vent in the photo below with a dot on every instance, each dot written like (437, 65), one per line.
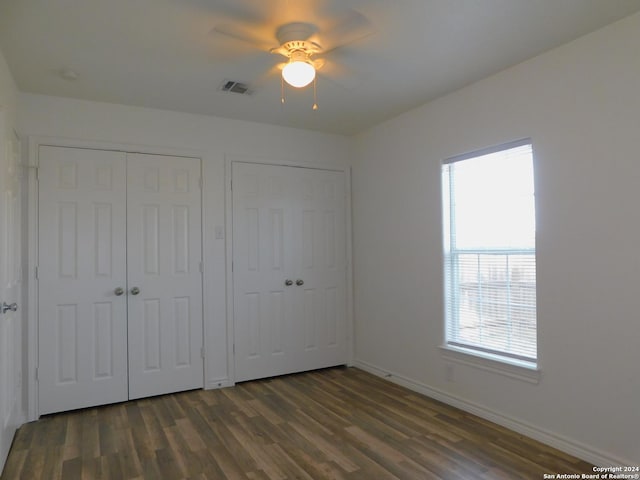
(235, 87)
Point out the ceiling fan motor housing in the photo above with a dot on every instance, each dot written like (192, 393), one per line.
(295, 31)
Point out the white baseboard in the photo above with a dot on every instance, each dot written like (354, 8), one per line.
(570, 446)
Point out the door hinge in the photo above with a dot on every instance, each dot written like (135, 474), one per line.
(37, 374)
(37, 174)
(201, 267)
(202, 352)
(36, 273)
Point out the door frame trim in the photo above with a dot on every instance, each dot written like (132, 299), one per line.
(230, 159)
(34, 142)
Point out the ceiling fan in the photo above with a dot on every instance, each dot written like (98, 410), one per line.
(308, 45)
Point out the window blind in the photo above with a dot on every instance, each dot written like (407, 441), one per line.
(489, 252)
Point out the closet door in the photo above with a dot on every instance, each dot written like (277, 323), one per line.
(82, 327)
(319, 251)
(264, 328)
(164, 275)
(289, 264)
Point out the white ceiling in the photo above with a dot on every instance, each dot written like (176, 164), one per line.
(163, 53)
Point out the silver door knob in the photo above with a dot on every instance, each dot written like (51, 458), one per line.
(119, 291)
(135, 291)
(288, 282)
(9, 306)
(299, 282)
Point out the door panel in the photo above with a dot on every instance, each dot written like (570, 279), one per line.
(10, 288)
(163, 258)
(288, 223)
(81, 253)
(262, 240)
(320, 237)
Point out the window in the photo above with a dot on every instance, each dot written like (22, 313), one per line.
(489, 253)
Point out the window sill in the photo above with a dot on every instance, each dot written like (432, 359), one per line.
(492, 363)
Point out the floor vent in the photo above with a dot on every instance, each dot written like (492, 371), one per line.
(235, 87)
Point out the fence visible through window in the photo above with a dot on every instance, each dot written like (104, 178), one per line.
(496, 304)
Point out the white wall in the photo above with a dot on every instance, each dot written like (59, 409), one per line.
(213, 138)
(8, 91)
(581, 106)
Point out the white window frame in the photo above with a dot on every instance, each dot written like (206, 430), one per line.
(509, 365)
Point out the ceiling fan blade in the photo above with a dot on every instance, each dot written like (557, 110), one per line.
(255, 36)
(318, 63)
(269, 76)
(348, 29)
(340, 75)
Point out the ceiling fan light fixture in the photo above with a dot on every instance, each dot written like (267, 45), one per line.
(299, 72)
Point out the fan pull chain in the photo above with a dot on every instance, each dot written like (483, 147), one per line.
(315, 93)
(281, 89)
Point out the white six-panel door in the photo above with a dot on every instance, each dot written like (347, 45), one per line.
(82, 322)
(320, 254)
(10, 287)
(110, 222)
(163, 263)
(288, 225)
(265, 334)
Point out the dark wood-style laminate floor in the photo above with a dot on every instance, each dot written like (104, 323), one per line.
(339, 423)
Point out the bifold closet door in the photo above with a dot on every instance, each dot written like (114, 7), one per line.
(119, 278)
(82, 327)
(164, 255)
(289, 269)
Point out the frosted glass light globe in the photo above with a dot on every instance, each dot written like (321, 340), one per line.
(298, 74)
